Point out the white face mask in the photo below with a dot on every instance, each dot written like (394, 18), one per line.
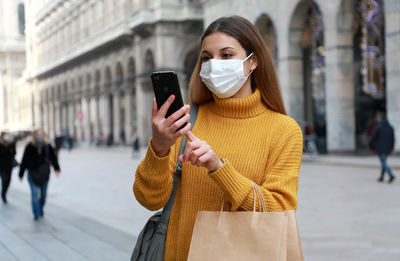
(7, 138)
(39, 138)
(224, 77)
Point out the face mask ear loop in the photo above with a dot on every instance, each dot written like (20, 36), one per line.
(251, 71)
(250, 55)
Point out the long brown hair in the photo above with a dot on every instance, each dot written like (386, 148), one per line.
(264, 76)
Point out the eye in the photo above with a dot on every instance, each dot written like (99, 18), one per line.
(226, 56)
(205, 58)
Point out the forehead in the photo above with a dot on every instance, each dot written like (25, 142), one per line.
(217, 41)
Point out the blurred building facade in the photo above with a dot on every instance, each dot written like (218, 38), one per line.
(337, 60)
(89, 62)
(12, 61)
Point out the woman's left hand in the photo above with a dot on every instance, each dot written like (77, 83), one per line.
(200, 153)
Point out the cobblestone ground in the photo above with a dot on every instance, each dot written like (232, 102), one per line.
(91, 214)
(345, 214)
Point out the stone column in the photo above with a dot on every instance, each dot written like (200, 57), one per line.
(51, 124)
(86, 117)
(392, 34)
(128, 116)
(95, 116)
(71, 118)
(140, 113)
(116, 117)
(78, 120)
(291, 67)
(57, 118)
(340, 108)
(105, 115)
(64, 116)
(45, 113)
(140, 96)
(283, 69)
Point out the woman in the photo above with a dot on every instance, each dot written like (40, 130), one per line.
(241, 135)
(37, 158)
(7, 162)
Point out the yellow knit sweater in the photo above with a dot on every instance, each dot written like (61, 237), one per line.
(257, 143)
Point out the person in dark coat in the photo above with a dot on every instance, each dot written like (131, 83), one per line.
(58, 141)
(382, 141)
(37, 158)
(7, 162)
(135, 144)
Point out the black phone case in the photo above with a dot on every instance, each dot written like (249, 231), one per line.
(165, 83)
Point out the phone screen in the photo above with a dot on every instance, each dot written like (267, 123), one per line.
(165, 84)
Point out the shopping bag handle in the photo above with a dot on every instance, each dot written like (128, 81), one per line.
(257, 195)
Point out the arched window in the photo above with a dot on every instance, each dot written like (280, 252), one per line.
(21, 19)
(267, 30)
(307, 70)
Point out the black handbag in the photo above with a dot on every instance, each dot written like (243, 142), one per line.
(150, 244)
(41, 174)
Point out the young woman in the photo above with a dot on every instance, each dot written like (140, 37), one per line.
(241, 134)
(37, 158)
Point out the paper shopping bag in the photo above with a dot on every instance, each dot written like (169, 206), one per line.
(233, 236)
(246, 235)
(294, 249)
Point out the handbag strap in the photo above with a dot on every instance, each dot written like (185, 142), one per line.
(166, 212)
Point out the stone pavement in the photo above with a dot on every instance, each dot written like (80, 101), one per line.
(60, 235)
(352, 160)
(91, 213)
(345, 214)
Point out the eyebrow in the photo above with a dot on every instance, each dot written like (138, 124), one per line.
(223, 49)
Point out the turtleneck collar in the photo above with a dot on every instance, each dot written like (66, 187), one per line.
(246, 107)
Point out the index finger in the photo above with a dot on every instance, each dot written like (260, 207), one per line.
(191, 136)
(164, 108)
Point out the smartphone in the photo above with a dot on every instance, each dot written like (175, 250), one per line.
(165, 83)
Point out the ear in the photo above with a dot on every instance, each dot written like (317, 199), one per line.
(253, 62)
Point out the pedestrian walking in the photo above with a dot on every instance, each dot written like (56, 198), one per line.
(70, 142)
(37, 158)
(382, 142)
(241, 135)
(58, 142)
(135, 144)
(7, 162)
(110, 139)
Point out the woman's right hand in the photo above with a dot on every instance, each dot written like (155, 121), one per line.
(165, 130)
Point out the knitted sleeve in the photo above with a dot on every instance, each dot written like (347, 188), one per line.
(279, 188)
(153, 179)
